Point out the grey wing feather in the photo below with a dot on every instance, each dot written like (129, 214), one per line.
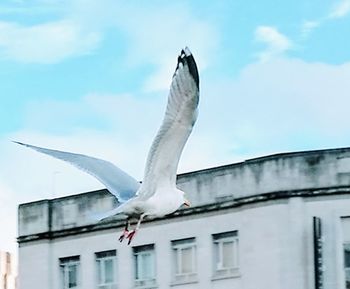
(179, 119)
(119, 183)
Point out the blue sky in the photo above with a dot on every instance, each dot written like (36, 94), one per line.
(92, 77)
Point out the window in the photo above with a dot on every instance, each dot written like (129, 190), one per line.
(144, 261)
(347, 265)
(185, 261)
(226, 261)
(106, 269)
(70, 272)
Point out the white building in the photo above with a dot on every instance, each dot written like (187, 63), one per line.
(7, 272)
(276, 222)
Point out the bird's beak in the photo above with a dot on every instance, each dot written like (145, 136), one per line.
(187, 203)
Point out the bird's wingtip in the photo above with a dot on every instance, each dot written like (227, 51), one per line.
(22, 144)
(187, 57)
(187, 51)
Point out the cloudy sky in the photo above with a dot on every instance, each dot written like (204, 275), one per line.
(92, 77)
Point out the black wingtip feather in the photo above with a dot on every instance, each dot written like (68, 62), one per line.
(20, 143)
(187, 57)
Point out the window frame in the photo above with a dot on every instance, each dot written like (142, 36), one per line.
(100, 264)
(219, 239)
(65, 264)
(138, 258)
(177, 247)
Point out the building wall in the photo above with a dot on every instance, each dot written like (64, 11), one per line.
(275, 248)
(7, 271)
(270, 201)
(279, 173)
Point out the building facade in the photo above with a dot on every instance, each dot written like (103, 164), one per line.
(281, 221)
(7, 271)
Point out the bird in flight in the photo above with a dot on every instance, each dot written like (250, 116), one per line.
(157, 194)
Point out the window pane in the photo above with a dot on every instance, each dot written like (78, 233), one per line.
(226, 252)
(109, 270)
(177, 260)
(136, 269)
(147, 266)
(184, 257)
(72, 276)
(144, 262)
(69, 270)
(347, 265)
(186, 262)
(99, 271)
(347, 278)
(347, 256)
(227, 255)
(217, 256)
(105, 267)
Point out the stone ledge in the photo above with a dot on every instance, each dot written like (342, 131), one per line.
(228, 203)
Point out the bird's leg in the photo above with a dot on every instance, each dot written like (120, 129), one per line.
(126, 231)
(133, 232)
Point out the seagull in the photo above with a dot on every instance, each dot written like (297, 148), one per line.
(157, 194)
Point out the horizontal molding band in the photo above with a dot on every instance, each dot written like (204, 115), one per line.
(222, 204)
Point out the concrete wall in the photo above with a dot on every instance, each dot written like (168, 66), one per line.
(8, 272)
(33, 218)
(275, 248)
(309, 170)
(62, 213)
(295, 171)
(35, 265)
(275, 236)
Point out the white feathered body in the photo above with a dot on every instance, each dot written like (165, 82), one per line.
(157, 195)
(163, 202)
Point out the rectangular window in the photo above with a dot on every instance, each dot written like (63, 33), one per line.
(106, 269)
(226, 262)
(144, 262)
(347, 265)
(70, 272)
(185, 260)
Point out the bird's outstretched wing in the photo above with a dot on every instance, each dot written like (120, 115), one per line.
(116, 181)
(180, 116)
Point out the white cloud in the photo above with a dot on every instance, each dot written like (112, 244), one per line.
(340, 10)
(284, 104)
(157, 36)
(8, 204)
(279, 105)
(32, 176)
(153, 39)
(254, 114)
(309, 26)
(276, 42)
(300, 97)
(123, 143)
(45, 43)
